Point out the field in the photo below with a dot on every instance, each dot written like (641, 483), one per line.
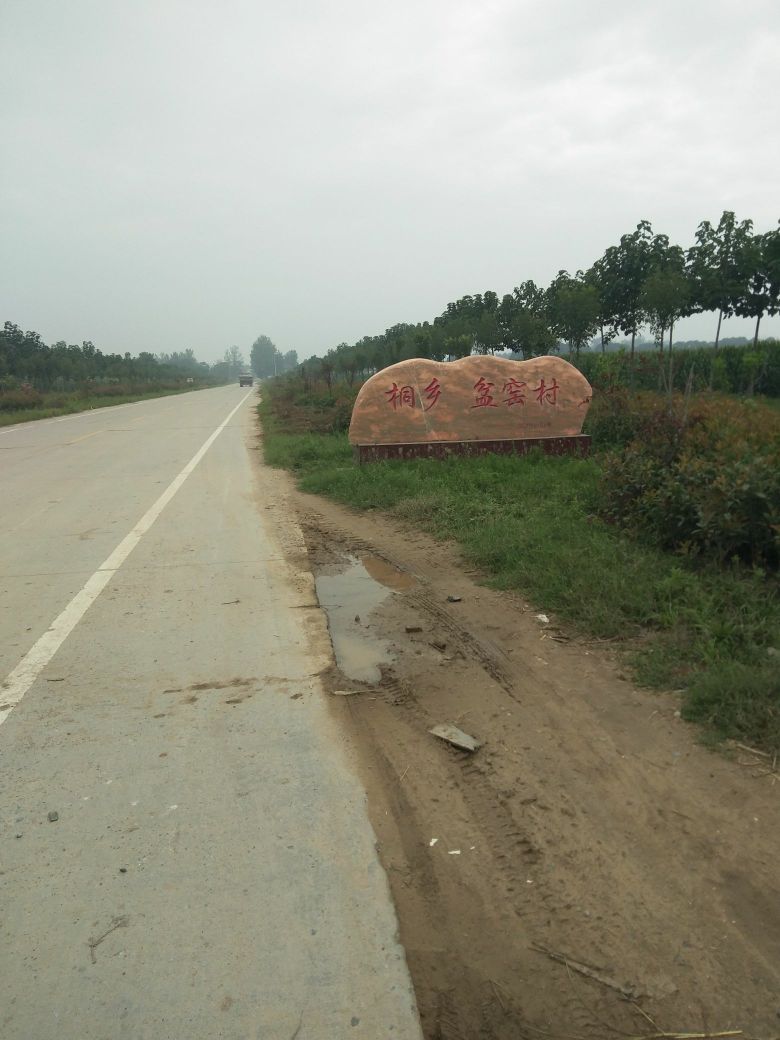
(703, 622)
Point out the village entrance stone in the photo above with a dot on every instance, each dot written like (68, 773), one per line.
(478, 404)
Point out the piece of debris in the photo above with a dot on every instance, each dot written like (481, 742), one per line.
(432, 842)
(454, 852)
(455, 736)
(53, 816)
(543, 618)
(439, 646)
(116, 922)
(230, 602)
(590, 971)
(357, 619)
(414, 628)
(123, 870)
(346, 693)
(453, 599)
(61, 679)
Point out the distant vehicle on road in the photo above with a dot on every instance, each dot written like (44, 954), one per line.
(246, 379)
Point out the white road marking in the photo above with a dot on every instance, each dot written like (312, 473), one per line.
(38, 656)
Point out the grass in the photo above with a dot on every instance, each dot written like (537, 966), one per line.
(530, 524)
(67, 405)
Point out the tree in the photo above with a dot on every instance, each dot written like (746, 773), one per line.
(666, 293)
(574, 309)
(264, 358)
(625, 267)
(608, 305)
(762, 293)
(717, 264)
(665, 298)
(234, 360)
(528, 330)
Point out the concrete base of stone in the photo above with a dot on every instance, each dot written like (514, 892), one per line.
(579, 445)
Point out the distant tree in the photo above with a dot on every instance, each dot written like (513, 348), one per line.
(666, 297)
(666, 293)
(626, 267)
(762, 293)
(718, 266)
(264, 358)
(573, 306)
(597, 276)
(234, 360)
(327, 368)
(527, 323)
(290, 360)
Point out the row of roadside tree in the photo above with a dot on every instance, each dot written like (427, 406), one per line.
(645, 281)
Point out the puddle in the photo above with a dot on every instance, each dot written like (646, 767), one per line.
(388, 575)
(356, 592)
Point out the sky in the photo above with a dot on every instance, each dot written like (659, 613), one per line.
(187, 173)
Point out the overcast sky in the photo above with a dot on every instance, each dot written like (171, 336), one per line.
(183, 173)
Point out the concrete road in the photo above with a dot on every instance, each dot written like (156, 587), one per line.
(211, 872)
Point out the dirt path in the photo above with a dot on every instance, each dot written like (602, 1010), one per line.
(590, 824)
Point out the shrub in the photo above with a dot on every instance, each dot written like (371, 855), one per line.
(23, 397)
(704, 482)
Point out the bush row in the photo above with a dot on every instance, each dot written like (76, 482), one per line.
(698, 477)
(731, 369)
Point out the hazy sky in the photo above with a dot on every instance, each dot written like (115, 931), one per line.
(182, 173)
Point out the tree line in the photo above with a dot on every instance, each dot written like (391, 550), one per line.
(26, 360)
(645, 281)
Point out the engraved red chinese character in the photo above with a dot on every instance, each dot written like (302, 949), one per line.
(547, 394)
(515, 391)
(400, 395)
(483, 394)
(432, 393)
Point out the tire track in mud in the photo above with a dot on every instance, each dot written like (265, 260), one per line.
(519, 881)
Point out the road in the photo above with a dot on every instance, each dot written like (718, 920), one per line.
(211, 872)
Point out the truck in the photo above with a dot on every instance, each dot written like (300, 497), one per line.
(246, 379)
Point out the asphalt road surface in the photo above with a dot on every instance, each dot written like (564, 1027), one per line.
(210, 871)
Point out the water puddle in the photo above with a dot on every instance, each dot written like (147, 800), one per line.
(348, 599)
(387, 575)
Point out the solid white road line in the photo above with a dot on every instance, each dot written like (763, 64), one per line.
(35, 660)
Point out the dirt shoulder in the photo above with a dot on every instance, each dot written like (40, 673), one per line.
(591, 824)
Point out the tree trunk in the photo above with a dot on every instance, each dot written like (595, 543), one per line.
(633, 337)
(602, 339)
(671, 330)
(717, 334)
(755, 337)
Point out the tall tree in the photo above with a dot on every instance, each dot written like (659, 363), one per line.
(718, 266)
(626, 266)
(574, 309)
(665, 298)
(234, 360)
(529, 327)
(264, 357)
(762, 294)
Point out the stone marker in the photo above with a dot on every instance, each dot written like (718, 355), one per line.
(479, 403)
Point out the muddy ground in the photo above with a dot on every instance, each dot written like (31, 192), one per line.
(592, 870)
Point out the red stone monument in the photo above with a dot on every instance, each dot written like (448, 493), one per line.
(477, 405)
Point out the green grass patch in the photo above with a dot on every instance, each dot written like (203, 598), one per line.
(59, 404)
(531, 524)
